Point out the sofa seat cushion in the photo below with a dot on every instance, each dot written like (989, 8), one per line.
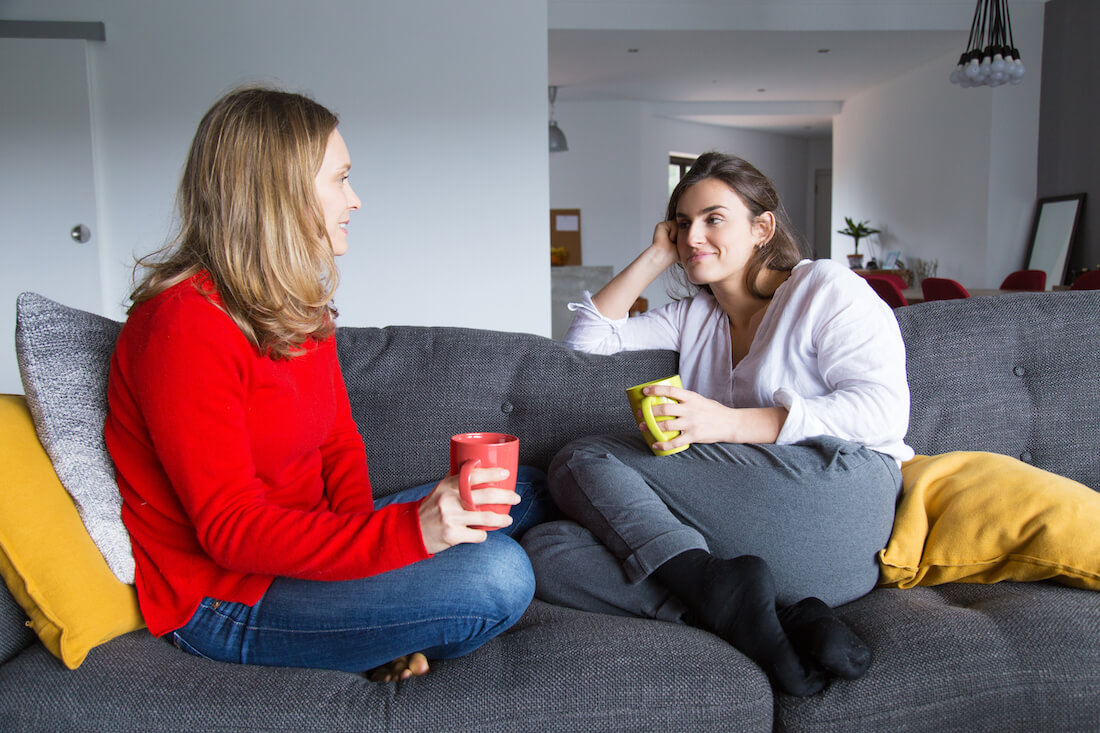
(555, 670)
(963, 657)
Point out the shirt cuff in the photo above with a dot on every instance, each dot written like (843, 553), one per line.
(794, 428)
(590, 308)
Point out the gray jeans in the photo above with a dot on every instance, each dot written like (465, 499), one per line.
(817, 512)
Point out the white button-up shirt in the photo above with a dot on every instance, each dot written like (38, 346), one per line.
(828, 349)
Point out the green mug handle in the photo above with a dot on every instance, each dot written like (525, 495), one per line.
(651, 422)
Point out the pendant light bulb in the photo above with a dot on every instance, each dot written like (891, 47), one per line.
(557, 137)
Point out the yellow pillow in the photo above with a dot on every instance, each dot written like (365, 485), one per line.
(48, 560)
(982, 518)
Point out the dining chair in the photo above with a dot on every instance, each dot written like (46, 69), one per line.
(891, 276)
(942, 288)
(888, 289)
(1025, 280)
(1087, 281)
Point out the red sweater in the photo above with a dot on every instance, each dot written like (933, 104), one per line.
(235, 468)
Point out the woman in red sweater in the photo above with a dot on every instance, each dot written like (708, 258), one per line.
(243, 476)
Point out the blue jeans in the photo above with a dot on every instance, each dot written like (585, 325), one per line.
(444, 606)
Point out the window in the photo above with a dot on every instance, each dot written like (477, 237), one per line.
(678, 165)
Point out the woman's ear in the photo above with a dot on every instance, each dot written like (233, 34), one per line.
(763, 227)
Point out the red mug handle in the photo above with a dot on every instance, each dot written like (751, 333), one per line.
(464, 484)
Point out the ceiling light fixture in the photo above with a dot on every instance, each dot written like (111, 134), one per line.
(557, 137)
(991, 58)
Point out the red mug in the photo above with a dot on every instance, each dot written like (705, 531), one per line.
(488, 450)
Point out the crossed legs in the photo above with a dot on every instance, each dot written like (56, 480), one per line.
(741, 540)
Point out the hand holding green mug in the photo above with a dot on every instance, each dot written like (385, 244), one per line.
(644, 403)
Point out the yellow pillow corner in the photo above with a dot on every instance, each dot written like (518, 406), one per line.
(978, 517)
(47, 559)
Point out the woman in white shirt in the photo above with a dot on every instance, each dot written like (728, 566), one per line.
(796, 405)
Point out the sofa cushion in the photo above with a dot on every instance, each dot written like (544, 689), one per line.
(984, 518)
(428, 384)
(47, 559)
(1009, 657)
(555, 670)
(64, 357)
(1007, 374)
(15, 633)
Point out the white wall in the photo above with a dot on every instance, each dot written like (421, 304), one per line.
(444, 115)
(1014, 154)
(600, 174)
(616, 172)
(948, 174)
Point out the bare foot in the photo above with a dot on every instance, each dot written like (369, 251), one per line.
(402, 668)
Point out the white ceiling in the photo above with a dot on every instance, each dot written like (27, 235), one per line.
(737, 78)
(779, 65)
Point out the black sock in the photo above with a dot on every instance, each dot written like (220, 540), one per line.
(817, 632)
(736, 599)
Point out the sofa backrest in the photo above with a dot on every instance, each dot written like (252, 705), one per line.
(1014, 374)
(413, 387)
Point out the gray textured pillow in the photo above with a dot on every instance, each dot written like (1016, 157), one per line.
(64, 356)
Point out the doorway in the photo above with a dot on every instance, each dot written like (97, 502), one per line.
(47, 188)
(823, 213)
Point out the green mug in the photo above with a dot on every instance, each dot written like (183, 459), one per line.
(644, 403)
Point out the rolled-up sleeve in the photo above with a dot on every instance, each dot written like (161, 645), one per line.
(594, 333)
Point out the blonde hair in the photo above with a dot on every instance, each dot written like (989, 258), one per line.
(249, 216)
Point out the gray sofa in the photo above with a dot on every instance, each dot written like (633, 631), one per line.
(1014, 374)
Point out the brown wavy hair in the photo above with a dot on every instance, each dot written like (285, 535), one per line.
(249, 216)
(782, 252)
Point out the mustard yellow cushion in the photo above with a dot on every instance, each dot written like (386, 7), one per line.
(982, 518)
(48, 560)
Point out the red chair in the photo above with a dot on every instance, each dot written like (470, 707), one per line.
(888, 289)
(1087, 281)
(1026, 280)
(891, 276)
(942, 288)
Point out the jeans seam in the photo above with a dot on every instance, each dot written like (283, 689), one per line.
(344, 629)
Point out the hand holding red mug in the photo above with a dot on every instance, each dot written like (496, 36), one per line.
(456, 511)
(444, 519)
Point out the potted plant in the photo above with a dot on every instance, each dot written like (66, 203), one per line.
(856, 231)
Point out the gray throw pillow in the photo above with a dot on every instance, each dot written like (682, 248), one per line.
(64, 356)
